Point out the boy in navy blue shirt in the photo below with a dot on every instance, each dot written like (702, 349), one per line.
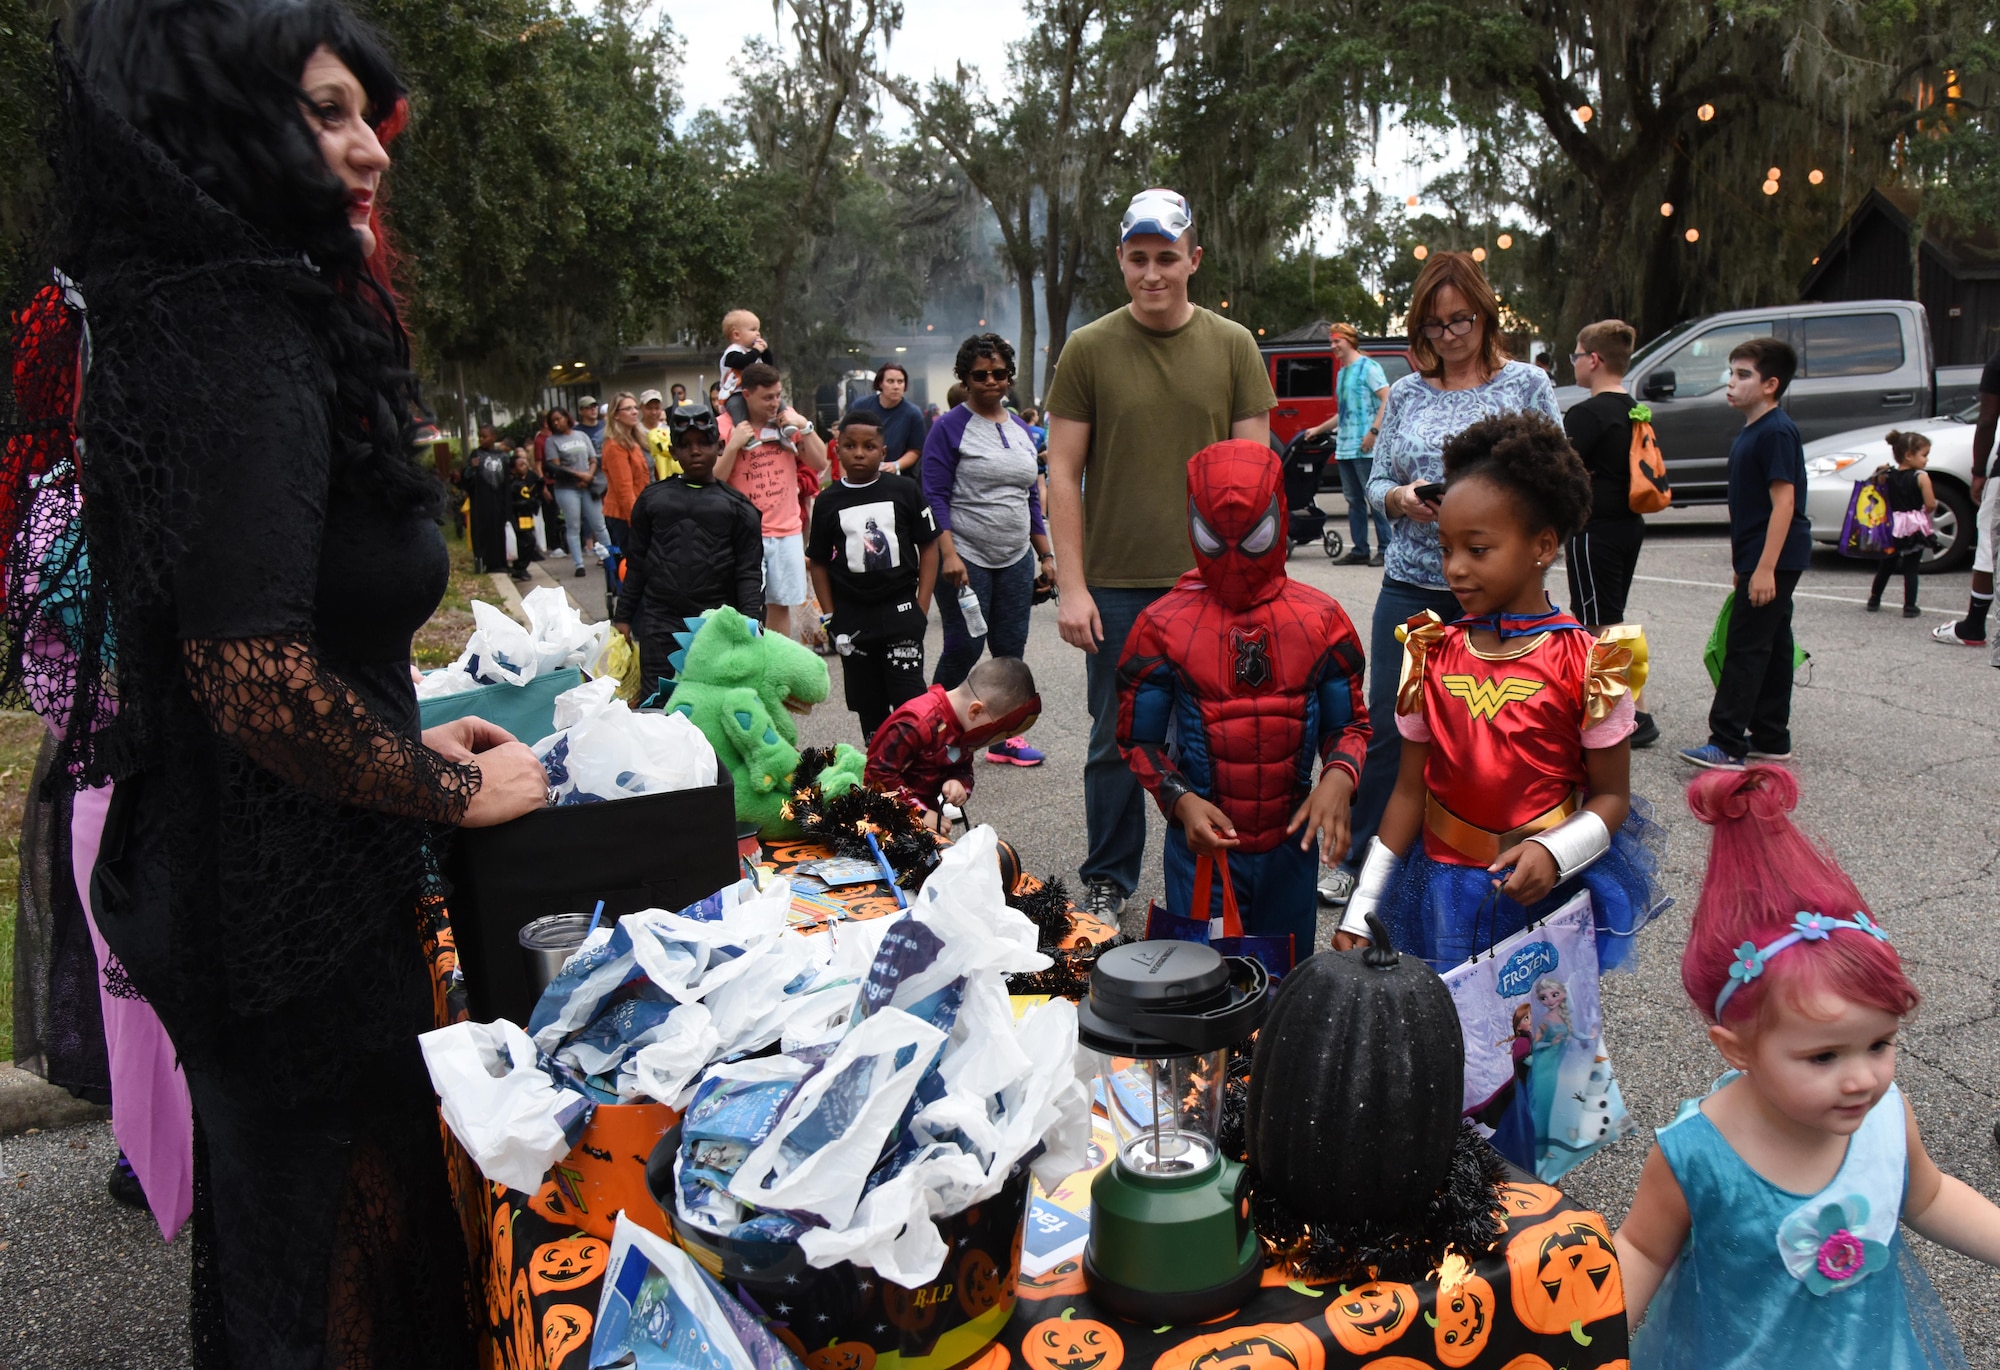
(1770, 542)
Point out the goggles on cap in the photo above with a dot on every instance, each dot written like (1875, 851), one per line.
(1162, 213)
(693, 419)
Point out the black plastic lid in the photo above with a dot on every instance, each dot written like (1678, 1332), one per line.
(1169, 998)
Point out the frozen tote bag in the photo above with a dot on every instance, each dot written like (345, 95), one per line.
(1537, 1076)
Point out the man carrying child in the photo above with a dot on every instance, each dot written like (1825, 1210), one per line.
(873, 559)
(761, 457)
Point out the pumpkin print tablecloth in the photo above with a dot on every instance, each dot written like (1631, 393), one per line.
(541, 1256)
(1548, 1296)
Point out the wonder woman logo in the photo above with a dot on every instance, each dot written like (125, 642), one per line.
(1483, 698)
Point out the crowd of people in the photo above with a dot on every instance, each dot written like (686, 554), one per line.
(253, 808)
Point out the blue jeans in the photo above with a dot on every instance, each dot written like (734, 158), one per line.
(1398, 601)
(1114, 802)
(581, 512)
(1276, 890)
(1004, 596)
(1354, 485)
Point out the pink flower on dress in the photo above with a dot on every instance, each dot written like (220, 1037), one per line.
(1841, 1255)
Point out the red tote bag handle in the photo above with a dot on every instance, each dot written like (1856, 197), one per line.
(1204, 868)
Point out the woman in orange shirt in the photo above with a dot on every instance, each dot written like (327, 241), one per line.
(627, 469)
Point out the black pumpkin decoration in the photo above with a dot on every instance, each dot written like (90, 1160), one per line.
(1357, 1086)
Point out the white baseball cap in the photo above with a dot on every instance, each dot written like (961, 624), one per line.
(648, 396)
(1161, 212)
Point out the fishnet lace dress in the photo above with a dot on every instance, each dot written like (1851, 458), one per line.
(264, 878)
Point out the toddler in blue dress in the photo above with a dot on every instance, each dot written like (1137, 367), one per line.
(1766, 1231)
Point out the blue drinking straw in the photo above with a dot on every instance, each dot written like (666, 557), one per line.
(599, 913)
(888, 871)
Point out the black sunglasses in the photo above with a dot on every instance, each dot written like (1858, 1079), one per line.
(999, 374)
(1458, 327)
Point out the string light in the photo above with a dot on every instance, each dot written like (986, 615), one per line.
(1666, 209)
(1225, 304)
(1260, 332)
(1504, 241)
(1693, 235)
(1410, 200)
(1815, 175)
(1705, 113)
(1422, 252)
(982, 323)
(1583, 113)
(1775, 172)
(1478, 254)
(1771, 187)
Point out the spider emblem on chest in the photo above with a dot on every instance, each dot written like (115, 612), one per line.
(1253, 657)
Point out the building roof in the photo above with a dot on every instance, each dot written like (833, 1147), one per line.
(1968, 256)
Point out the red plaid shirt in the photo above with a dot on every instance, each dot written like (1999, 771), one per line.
(918, 748)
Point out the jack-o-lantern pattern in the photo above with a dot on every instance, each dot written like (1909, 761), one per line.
(1396, 1363)
(1463, 1321)
(525, 1345)
(568, 1264)
(1261, 1346)
(911, 1310)
(994, 1358)
(982, 1286)
(500, 1268)
(842, 1355)
(565, 1328)
(1370, 1316)
(1528, 1360)
(1563, 1274)
(1072, 1343)
(1518, 1201)
(1061, 1281)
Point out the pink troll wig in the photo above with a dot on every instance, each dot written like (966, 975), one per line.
(1762, 872)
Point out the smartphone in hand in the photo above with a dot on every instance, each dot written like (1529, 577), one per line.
(1432, 493)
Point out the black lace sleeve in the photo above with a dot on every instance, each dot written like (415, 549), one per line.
(291, 715)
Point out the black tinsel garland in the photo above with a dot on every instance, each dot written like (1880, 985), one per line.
(843, 822)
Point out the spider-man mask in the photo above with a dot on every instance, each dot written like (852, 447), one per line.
(1236, 520)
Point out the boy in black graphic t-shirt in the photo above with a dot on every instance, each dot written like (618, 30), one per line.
(872, 554)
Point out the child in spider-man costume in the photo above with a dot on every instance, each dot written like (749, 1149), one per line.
(1233, 685)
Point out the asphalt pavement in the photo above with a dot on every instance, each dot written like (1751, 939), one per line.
(1897, 744)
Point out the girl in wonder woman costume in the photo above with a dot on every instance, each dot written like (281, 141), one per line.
(1515, 783)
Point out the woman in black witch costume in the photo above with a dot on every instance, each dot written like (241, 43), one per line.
(261, 545)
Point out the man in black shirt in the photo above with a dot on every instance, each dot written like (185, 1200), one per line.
(485, 482)
(1970, 631)
(1601, 556)
(873, 557)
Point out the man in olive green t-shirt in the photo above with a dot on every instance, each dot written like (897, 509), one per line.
(1135, 394)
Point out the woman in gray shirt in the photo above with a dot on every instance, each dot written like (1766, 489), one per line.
(571, 460)
(980, 479)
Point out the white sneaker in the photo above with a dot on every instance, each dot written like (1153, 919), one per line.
(1336, 886)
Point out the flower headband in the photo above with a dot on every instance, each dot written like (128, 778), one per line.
(1806, 927)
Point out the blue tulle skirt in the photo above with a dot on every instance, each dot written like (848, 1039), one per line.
(1447, 914)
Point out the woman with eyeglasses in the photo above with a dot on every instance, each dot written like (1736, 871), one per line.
(1462, 375)
(980, 474)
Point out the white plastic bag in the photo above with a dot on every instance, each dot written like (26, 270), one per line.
(572, 706)
(818, 1157)
(452, 680)
(560, 635)
(615, 752)
(500, 651)
(659, 1308)
(500, 1105)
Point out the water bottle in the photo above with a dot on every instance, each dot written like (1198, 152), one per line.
(975, 617)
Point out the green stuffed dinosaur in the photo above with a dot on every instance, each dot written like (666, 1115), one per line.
(739, 685)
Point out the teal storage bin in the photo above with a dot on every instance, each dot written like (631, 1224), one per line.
(527, 711)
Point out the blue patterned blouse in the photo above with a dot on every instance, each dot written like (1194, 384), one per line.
(1420, 420)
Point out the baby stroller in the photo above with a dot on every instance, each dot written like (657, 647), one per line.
(1305, 460)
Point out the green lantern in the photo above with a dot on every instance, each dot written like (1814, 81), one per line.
(1170, 1233)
